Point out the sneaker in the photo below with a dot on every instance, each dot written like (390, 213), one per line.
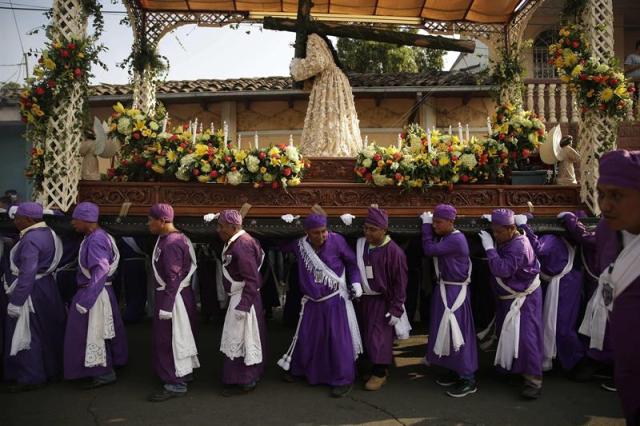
(609, 385)
(341, 391)
(375, 383)
(531, 392)
(448, 379)
(165, 395)
(462, 389)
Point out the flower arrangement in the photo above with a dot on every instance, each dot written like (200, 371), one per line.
(206, 163)
(382, 166)
(600, 86)
(521, 132)
(277, 166)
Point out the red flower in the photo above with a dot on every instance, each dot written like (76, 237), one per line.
(434, 162)
(149, 164)
(286, 171)
(77, 72)
(464, 178)
(613, 82)
(575, 44)
(51, 83)
(525, 153)
(501, 136)
(262, 155)
(454, 158)
(368, 177)
(583, 76)
(40, 91)
(398, 176)
(64, 53)
(136, 135)
(214, 174)
(196, 172)
(377, 157)
(228, 159)
(602, 107)
(514, 155)
(274, 184)
(124, 162)
(71, 46)
(282, 147)
(503, 155)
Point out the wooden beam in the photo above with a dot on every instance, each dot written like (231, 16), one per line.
(302, 32)
(369, 33)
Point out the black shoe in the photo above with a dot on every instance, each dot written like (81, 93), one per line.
(462, 389)
(341, 391)
(531, 392)
(609, 385)
(235, 390)
(24, 387)
(583, 371)
(97, 383)
(164, 395)
(448, 379)
(290, 378)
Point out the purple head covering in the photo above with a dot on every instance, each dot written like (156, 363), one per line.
(620, 168)
(502, 217)
(232, 217)
(314, 221)
(445, 211)
(30, 209)
(580, 214)
(377, 217)
(87, 212)
(162, 211)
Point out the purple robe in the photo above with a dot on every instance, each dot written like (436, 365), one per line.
(607, 244)
(553, 256)
(44, 358)
(95, 255)
(389, 265)
(453, 261)
(173, 264)
(516, 264)
(324, 350)
(243, 265)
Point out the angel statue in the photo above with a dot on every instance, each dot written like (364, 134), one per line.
(90, 149)
(331, 127)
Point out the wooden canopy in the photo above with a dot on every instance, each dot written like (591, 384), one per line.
(391, 11)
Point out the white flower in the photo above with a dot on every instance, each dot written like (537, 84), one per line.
(369, 151)
(602, 68)
(366, 163)
(234, 178)
(527, 123)
(253, 163)
(380, 180)
(394, 166)
(124, 126)
(468, 160)
(292, 153)
(154, 126)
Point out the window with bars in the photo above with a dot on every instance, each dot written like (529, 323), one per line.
(541, 66)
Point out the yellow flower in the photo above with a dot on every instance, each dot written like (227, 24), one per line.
(158, 169)
(118, 107)
(201, 149)
(263, 170)
(606, 94)
(146, 133)
(294, 181)
(49, 64)
(565, 78)
(590, 93)
(240, 155)
(621, 91)
(57, 44)
(443, 160)
(171, 156)
(203, 178)
(81, 55)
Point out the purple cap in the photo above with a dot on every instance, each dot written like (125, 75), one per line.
(314, 221)
(232, 217)
(30, 209)
(502, 217)
(580, 214)
(445, 211)
(162, 211)
(87, 212)
(620, 168)
(377, 217)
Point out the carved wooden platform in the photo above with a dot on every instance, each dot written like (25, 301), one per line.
(330, 184)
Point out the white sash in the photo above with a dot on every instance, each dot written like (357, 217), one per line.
(100, 326)
(509, 342)
(449, 330)
(21, 339)
(183, 344)
(322, 273)
(550, 309)
(402, 327)
(240, 338)
(611, 283)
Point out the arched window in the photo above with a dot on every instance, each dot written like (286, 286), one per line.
(541, 66)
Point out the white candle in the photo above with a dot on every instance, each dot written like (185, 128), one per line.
(200, 128)
(460, 131)
(225, 128)
(239, 141)
(488, 125)
(450, 130)
(164, 125)
(290, 140)
(256, 141)
(468, 132)
(212, 128)
(366, 140)
(399, 140)
(428, 141)
(194, 132)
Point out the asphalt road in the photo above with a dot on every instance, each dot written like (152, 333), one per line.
(410, 397)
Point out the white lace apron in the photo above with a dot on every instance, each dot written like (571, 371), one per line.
(509, 341)
(100, 325)
(402, 327)
(183, 344)
(550, 309)
(22, 334)
(240, 338)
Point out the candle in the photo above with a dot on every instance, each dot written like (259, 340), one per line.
(399, 140)
(225, 128)
(366, 140)
(428, 141)
(164, 125)
(468, 133)
(290, 140)
(194, 132)
(460, 131)
(488, 125)
(200, 128)
(449, 129)
(213, 130)
(239, 141)
(255, 140)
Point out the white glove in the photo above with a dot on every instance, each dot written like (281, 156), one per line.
(12, 211)
(164, 315)
(289, 218)
(81, 309)
(562, 215)
(487, 241)
(210, 216)
(520, 219)
(347, 218)
(427, 217)
(392, 320)
(13, 311)
(356, 290)
(240, 315)
(486, 217)
(48, 211)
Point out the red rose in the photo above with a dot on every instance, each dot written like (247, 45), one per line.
(540, 132)
(454, 158)
(631, 89)
(71, 46)
(398, 176)
(51, 83)
(64, 53)
(77, 72)
(262, 155)
(397, 156)
(286, 171)
(525, 153)
(464, 178)
(124, 162)
(575, 44)
(274, 184)
(377, 157)
(196, 172)
(449, 149)
(228, 159)
(183, 145)
(501, 136)
(40, 91)
(213, 174)
(173, 138)
(136, 135)
(503, 155)
(149, 164)
(613, 82)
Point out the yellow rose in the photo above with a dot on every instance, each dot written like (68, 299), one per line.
(203, 178)
(158, 169)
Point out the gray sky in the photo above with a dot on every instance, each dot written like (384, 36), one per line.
(193, 52)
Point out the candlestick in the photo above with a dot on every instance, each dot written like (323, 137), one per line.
(239, 141)
(225, 128)
(428, 141)
(290, 140)
(460, 131)
(164, 125)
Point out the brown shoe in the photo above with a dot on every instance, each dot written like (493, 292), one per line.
(375, 383)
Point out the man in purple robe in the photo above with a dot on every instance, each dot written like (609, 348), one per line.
(244, 335)
(562, 284)
(381, 306)
(452, 336)
(36, 315)
(95, 340)
(327, 340)
(174, 354)
(619, 200)
(514, 269)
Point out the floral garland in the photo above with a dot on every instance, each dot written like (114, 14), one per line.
(599, 86)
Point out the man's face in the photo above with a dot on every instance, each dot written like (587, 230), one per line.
(22, 222)
(501, 233)
(620, 207)
(317, 236)
(373, 234)
(442, 226)
(80, 225)
(155, 225)
(226, 231)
